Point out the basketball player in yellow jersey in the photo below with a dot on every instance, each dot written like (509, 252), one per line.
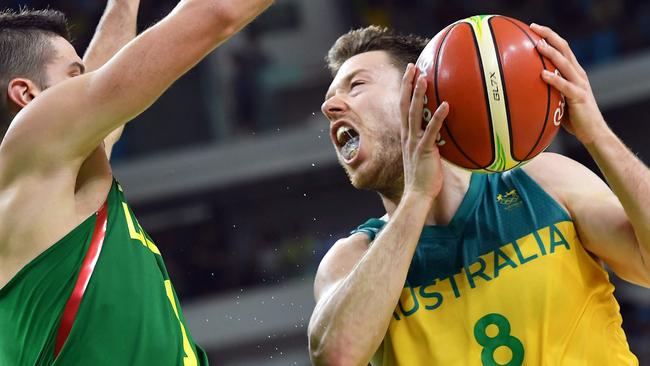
(471, 269)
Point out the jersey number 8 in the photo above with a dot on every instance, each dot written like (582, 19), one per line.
(501, 339)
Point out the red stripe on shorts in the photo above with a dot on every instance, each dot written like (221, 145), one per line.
(87, 268)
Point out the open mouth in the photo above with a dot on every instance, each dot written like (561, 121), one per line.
(347, 140)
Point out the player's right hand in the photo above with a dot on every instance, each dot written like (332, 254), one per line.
(583, 119)
(422, 163)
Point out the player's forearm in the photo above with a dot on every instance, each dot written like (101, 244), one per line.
(348, 326)
(234, 14)
(115, 29)
(629, 178)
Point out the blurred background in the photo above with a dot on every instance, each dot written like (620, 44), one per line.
(233, 174)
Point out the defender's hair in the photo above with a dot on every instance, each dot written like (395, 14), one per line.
(401, 48)
(25, 49)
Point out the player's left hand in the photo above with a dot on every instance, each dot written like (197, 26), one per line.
(582, 117)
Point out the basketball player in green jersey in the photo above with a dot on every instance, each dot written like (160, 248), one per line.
(473, 269)
(81, 283)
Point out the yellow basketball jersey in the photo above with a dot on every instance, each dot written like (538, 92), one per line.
(506, 283)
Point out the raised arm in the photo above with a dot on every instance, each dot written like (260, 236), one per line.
(356, 287)
(64, 124)
(117, 27)
(614, 226)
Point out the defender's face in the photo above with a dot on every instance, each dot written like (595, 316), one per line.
(362, 105)
(65, 64)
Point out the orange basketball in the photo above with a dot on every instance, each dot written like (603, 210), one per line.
(502, 114)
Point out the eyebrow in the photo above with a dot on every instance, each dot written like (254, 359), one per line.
(345, 80)
(79, 65)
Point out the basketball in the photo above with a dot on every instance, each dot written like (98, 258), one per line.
(502, 114)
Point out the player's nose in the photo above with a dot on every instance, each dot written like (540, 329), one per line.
(333, 107)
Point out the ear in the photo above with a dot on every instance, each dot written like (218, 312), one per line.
(22, 91)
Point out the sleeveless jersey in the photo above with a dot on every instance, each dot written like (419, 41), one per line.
(507, 282)
(129, 313)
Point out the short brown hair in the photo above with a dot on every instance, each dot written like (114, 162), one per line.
(401, 48)
(25, 48)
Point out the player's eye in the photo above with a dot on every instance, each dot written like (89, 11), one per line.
(356, 83)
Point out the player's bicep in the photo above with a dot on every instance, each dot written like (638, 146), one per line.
(603, 225)
(606, 232)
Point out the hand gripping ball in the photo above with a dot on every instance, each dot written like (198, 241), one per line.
(502, 114)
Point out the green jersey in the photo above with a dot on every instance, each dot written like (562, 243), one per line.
(129, 313)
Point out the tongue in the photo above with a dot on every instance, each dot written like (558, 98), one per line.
(349, 150)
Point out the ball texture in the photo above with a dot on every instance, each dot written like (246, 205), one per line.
(502, 114)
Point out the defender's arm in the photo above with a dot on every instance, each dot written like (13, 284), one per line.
(64, 124)
(115, 29)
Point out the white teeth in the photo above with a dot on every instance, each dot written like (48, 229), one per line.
(341, 132)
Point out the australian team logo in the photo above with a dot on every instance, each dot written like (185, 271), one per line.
(509, 200)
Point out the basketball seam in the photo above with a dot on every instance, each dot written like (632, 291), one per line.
(435, 78)
(436, 63)
(548, 97)
(487, 99)
(503, 87)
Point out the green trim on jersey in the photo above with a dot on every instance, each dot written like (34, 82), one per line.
(497, 209)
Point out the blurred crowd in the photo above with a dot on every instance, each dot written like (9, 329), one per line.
(598, 30)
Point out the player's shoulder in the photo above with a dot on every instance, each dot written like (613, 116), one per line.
(555, 168)
(550, 160)
(561, 176)
(353, 245)
(339, 261)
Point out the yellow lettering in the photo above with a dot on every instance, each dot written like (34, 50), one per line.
(152, 246)
(136, 232)
(190, 357)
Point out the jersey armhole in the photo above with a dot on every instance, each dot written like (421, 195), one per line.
(522, 176)
(378, 358)
(371, 228)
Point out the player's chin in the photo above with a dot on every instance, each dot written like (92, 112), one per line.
(362, 173)
(356, 182)
(361, 179)
(353, 174)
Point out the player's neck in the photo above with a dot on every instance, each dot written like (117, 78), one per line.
(444, 207)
